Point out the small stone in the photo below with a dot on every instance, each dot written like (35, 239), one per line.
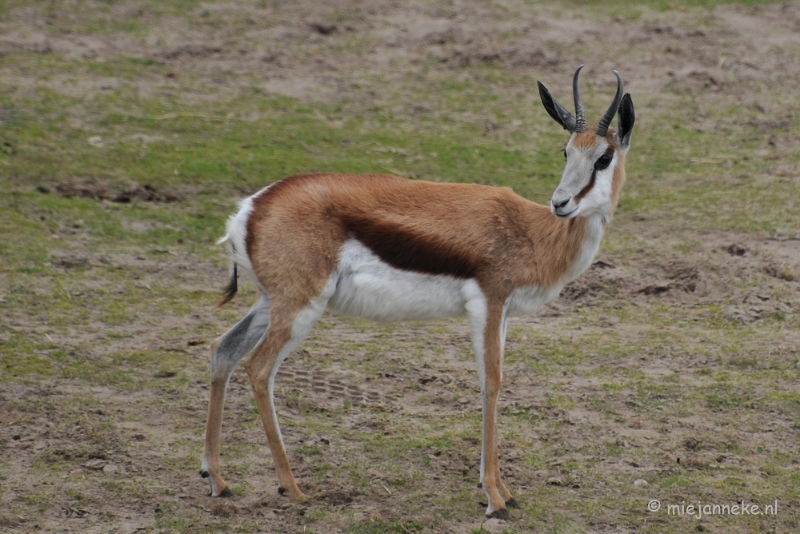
(640, 482)
(109, 469)
(736, 249)
(323, 28)
(95, 464)
(494, 525)
(225, 509)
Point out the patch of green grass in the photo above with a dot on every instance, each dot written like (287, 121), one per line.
(381, 526)
(83, 281)
(39, 500)
(672, 4)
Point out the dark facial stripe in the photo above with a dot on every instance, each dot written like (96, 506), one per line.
(585, 191)
(589, 186)
(404, 249)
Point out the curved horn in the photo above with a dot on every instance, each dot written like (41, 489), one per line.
(602, 126)
(580, 116)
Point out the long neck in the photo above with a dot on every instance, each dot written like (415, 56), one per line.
(558, 250)
(587, 249)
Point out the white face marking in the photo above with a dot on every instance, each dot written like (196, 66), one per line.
(577, 175)
(598, 200)
(369, 287)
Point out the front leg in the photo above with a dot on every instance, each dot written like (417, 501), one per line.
(511, 502)
(487, 320)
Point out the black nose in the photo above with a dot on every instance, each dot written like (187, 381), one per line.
(559, 205)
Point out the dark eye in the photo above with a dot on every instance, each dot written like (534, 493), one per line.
(603, 162)
(565, 153)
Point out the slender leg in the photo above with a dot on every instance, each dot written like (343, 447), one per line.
(262, 368)
(287, 329)
(210, 468)
(487, 321)
(511, 502)
(228, 351)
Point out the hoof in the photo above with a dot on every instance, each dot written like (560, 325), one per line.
(296, 496)
(226, 493)
(500, 514)
(204, 474)
(512, 504)
(480, 485)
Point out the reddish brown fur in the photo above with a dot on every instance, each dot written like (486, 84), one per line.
(410, 250)
(298, 226)
(585, 139)
(493, 368)
(295, 233)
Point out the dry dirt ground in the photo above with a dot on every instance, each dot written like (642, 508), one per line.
(354, 381)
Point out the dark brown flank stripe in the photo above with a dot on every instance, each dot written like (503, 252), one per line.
(397, 246)
(408, 251)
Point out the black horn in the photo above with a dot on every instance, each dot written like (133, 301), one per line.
(580, 115)
(602, 126)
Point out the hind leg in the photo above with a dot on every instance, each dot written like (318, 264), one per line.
(228, 351)
(289, 326)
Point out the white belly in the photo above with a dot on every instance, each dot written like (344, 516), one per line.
(369, 287)
(529, 299)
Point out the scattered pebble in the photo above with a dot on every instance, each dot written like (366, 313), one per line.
(324, 28)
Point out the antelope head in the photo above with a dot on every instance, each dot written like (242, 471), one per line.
(595, 167)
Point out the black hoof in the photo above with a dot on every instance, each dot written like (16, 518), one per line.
(226, 493)
(281, 491)
(480, 485)
(512, 504)
(204, 474)
(500, 514)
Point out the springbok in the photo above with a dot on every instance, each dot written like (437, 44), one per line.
(393, 249)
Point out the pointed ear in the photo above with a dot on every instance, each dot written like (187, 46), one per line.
(625, 125)
(556, 110)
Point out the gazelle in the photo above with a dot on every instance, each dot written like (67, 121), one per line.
(393, 249)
